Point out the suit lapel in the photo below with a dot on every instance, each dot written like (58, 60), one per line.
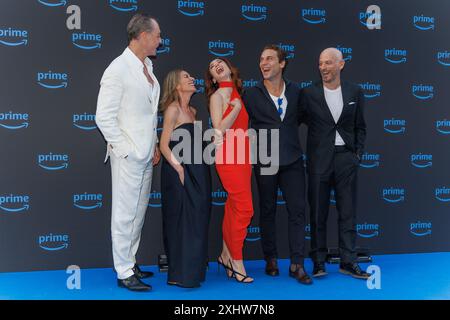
(345, 100)
(139, 76)
(323, 104)
(273, 109)
(153, 94)
(289, 98)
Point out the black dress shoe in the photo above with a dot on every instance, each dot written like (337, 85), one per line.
(178, 284)
(353, 270)
(134, 284)
(272, 268)
(319, 270)
(141, 274)
(300, 274)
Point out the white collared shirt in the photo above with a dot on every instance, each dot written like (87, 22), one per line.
(335, 103)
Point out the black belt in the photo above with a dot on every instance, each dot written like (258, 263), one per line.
(339, 149)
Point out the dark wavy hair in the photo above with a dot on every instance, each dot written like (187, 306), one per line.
(211, 87)
(281, 54)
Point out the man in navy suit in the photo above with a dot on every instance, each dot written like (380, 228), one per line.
(274, 104)
(336, 134)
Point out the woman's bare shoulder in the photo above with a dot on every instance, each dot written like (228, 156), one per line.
(172, 110)
(193, 109)
(216, 96)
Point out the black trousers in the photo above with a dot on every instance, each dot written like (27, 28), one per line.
(342, 176)
(291, 180)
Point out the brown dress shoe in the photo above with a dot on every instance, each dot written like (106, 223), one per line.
(272, 268)
(300, 274)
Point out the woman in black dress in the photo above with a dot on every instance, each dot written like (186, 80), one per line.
(185, 186)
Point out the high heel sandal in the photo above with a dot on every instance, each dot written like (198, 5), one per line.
(227, 268)
(239, 274)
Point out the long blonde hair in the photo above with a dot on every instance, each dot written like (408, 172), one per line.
(170, 93)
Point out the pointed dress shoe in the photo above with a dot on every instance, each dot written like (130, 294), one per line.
(141, 274)
(272, 268)
(300, 274)
(134, 284)
(353, 270)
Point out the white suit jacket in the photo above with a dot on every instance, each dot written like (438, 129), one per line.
(127, 108)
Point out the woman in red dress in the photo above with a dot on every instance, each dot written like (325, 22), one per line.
(230, 120)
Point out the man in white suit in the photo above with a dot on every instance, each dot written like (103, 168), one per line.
(127, 117)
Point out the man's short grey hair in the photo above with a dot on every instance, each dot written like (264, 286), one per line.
(139, 23)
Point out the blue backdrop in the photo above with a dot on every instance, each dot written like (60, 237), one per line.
(55, 196)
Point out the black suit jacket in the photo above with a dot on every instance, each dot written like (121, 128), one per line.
(322, 128)
(264, 115)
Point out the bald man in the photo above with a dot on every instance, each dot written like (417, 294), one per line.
(335, 142)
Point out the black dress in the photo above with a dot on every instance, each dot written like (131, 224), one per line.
(186, 213)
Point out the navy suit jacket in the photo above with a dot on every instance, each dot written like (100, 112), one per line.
(264, 115)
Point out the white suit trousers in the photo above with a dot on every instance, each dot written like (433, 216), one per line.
(131, 184)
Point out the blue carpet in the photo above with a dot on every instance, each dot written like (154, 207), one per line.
(405, 276)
